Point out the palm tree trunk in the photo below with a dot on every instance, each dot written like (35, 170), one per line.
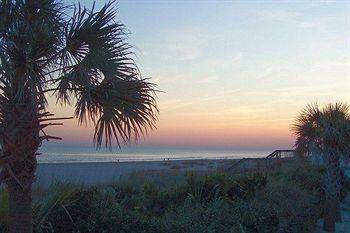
(20, 176)
(20, 140)
(332, 212)
(329, 216)
(20, 209)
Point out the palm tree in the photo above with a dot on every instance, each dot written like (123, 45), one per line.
(326, 131)
(81, 57)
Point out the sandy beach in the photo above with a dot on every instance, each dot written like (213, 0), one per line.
(97, 173)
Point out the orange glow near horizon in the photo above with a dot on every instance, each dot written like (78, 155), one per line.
(180, 136)
(176, 129)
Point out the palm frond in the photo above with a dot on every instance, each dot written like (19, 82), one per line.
(125, 109)
(323, 129)
(96, 47)
(85, 57)
(101, 73)
(6, 15)
(305, 128)
(335, 123)
(31, 55)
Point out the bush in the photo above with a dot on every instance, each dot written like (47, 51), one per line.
(59, 197)
(122, 208)
(249, 183)
(98, 210)
(257, 217)
(280, 207)
(65, 218)
(218, 184)
(155, 200)
(286, 200)
(297, 209)
(304, 174)
(194, 217)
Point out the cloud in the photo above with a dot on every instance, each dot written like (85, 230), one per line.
(176, 104)
(208, 79)
(185, 43)
(185, 50)
(273, 73)
(236, 58)
(294, 17)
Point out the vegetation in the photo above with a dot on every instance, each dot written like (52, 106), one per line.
(85, 60)
(82, 57)
(326, 132)
(287, 199)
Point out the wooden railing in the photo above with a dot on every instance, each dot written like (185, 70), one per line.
(270, 161)
(281, 154)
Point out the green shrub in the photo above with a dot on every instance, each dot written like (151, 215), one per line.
(99, 209)
(58, 199)
(297, 209)
(127, 195)
(280, 207)
(304, 174)
(289, 199)
(80, 213)
(177, 195)
(218, 184)
(249, 183)
(257, 217)
(155, 199)
(194, 217)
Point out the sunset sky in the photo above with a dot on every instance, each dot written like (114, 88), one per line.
(234, 74)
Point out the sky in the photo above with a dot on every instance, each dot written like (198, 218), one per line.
(235, 74)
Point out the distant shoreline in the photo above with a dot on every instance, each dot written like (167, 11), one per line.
(142, 160)
(77, 154)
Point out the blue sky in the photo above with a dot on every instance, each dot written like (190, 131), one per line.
(236, 73)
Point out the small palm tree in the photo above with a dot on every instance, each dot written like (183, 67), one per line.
(81, 56)
(326, 131)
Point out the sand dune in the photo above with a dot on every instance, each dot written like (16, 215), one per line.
(95, 173)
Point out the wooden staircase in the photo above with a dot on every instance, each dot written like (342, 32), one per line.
(270, 161)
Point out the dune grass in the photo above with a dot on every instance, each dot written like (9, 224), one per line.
(287, 199)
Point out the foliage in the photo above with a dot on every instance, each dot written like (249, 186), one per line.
(288, 199)
(296, 208)
(248, 183)
(257, 217)
(81, 55)
(83, 58)
(57, 200)
(194, 217)
(100, 209)
(280, 208)
(219, 184)
(303, 174)
(154, 199)
(326, 130)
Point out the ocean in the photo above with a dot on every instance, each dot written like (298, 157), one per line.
(62, 154)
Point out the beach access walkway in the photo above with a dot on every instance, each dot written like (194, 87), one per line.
(272, 160)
